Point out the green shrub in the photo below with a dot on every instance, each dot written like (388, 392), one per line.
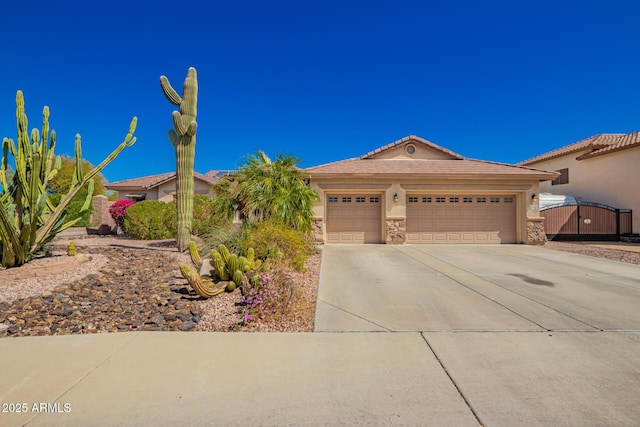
(150, 220)
(204, 219)
(228, 234)
(74, 209)
(273, 240)
(157, 220)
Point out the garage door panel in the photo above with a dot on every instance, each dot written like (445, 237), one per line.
(353, 218)
(454, 219)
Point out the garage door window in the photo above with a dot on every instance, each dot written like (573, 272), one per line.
(333, 199)
(468, 200)
(346, 200)
(495, 200)
(413, 200)
(426, 200)
(508, 199)
(374, 199)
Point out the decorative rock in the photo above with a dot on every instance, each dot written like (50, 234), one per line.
(187, 326)
(121, 297)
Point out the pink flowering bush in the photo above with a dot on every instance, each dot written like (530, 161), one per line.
(118, 210)
(271, 299)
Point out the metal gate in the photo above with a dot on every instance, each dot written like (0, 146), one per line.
(586, 221)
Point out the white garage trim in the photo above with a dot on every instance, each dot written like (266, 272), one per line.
(457, 218)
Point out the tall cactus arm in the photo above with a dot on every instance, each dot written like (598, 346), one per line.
(87, 200)
(193, 127)
(4, 166)
(10, 237)
(169, 91)
(178, 123)
(188, 107)
(77, 173)
(52, 221)
(173, 137)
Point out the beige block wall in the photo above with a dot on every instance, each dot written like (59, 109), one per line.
(609, 179)
(523, 190)
(166, 191)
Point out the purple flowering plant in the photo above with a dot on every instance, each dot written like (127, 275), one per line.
(270, 299)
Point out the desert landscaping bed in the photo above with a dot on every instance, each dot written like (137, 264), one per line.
(121, 284)
(129, 285)
(595, 250)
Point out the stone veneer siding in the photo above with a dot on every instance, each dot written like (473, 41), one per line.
(396, 231)
(535, 231)
(317, 228)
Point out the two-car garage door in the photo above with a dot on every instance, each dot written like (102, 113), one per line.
(461, 219)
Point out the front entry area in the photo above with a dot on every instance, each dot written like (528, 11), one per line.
(461, 219)
(354, 218)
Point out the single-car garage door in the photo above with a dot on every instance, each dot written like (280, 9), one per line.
(354, 218)
(461, 219)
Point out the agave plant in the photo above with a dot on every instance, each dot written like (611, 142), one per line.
(28, 219)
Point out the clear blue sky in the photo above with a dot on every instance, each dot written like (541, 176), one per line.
(323, 80)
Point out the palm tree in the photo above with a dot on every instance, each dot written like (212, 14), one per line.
(264, 189)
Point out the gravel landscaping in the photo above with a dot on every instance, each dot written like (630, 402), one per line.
(121, 284)
(130, 285)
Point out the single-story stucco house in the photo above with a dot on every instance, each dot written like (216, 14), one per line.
(163, 186)
(601, 169)
(415, 191)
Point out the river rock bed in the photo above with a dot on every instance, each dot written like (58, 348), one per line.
(139, 289)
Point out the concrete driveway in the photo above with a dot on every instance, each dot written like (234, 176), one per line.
(526, 335)
(474, 288)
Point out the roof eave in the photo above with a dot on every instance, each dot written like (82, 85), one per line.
(539, 176)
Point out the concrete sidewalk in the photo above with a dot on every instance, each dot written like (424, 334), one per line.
(168, 379)
(321, 379)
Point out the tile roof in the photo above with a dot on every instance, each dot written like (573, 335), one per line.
(456, 166)
(598, 144)
(148, 182)
(358, 166)
(624, 141)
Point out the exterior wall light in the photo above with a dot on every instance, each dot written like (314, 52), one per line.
(534, 197)
(395, 197)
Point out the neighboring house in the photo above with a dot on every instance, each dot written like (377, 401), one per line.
(603, 169)
(161, 187)
(414, 191)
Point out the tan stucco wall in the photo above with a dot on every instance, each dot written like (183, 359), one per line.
(523, 190)
(422, 152)
(609, 179)
(165, 192)
(168, 189)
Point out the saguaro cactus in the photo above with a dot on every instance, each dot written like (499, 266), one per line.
(183, 138)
